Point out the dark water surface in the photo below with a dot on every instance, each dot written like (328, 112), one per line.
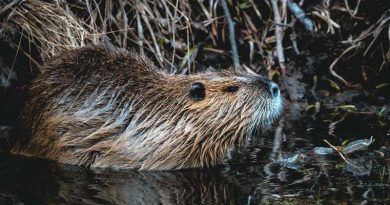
(30, 181)
(256, 175)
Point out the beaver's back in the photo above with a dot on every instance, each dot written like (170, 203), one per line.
(77, 90)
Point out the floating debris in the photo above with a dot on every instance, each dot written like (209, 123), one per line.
(360, 166)
(323, 150)
(352, 147)
(357, 145)
(294, 162)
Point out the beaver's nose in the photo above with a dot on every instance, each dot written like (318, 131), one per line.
(269, 86)
(274, 89)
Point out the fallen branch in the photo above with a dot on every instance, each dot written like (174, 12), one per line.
(279, 35)
(232, 35)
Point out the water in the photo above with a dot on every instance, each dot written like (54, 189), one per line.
(255, 175)
(32, 181)
(40, 182)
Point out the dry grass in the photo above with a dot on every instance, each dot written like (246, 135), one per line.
(175, 31)
(168, 29)
(51, 27)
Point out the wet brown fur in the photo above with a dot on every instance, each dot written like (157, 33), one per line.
(102, 106)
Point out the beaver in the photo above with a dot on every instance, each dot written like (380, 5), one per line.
(107, 107)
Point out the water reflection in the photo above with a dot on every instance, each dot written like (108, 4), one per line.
(259, 181)
(39, 182)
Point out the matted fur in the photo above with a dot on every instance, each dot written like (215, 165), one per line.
(102, 106)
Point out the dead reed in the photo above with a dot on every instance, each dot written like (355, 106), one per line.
(175, 32)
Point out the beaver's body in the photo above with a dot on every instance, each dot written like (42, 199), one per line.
(105, 107)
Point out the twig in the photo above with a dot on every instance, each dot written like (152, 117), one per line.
(338, 151)
(353, 13)
(346, 83)
(300, 14)
(332, 126)
(16, 55)
(174, 35)
(157, 48)
(325, 16)
(279, 35)
(8, 6)
(232, 35)
(28, 54)
(140, 34)
(293, 37)
(377, 32)
(125, 24)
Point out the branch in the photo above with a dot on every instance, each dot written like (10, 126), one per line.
(8, 6)
(279, 35)
(232, 35)
(300, 14)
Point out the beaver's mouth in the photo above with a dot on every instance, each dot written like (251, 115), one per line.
(277, 104)
(273, 109)
(267, 113)
(270, 109)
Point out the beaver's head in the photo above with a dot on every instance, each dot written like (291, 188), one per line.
(191, 121)
(239, 103)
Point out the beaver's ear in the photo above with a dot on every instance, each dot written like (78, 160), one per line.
(106, 45)
(104, 42)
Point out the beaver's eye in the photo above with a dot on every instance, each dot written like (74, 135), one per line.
(231, 89)
(198, 91)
